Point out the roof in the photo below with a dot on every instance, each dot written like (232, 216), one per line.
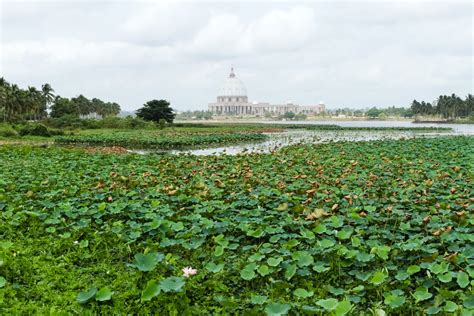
(233, 86)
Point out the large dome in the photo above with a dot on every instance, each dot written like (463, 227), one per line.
(233, 87)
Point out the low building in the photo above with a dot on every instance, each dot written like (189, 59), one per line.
(232, 100)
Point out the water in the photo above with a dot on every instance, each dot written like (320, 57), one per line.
(457, 128)
(293, 137)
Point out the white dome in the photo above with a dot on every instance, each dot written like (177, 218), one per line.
(233, 87)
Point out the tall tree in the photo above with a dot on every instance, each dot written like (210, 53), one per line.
(156, 110)
(63, 106)
(47, 94)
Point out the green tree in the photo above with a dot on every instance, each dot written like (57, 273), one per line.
(155, 110)
(63, 106)
(288, 115)
(83, 104)
(373, 112)
(47, 99)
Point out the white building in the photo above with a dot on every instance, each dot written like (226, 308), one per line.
(232, 100)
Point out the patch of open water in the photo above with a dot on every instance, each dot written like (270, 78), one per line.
(293, 137)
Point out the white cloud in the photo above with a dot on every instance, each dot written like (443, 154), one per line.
(281, 30)
(278, 30)
(224, 35)
(351, 54)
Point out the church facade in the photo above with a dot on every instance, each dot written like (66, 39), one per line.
(232, 100)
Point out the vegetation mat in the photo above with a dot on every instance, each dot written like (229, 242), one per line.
(345, 228)
(150, 139)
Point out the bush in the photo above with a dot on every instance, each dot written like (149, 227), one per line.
(8, 133)
(66, 121)
(39, 130)
(55, 132)
(73, 122)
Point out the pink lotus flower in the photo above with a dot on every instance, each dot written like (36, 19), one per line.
(188, 271)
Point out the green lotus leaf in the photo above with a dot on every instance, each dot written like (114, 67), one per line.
(247, 274)
(151, 290)
(263, 270)
(274, 261)
(276, 309)
(378, 278)
(303, 258)
(450, 307)
(84, 297)
(394, 301)
(147, 262)
(215, 268)
(290, 271)
(329, 304)
(104, 294)
(302, 293)
(462, 279)
(422, 294)
(343, 308)
(172, 284)
(258, 299)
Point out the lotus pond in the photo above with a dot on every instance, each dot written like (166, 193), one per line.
(205, 139)
(377, 227)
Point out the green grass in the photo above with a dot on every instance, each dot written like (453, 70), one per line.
(345, 227)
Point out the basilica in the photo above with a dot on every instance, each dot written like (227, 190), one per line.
(232, 100)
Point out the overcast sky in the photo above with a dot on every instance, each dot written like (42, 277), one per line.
(348, 53)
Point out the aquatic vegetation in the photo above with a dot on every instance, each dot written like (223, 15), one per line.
(334, 127)
(149, 139)
(341, 228)
(204, 135)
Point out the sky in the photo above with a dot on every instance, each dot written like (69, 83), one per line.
(355, 54)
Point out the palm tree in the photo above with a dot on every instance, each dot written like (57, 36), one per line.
(14, 101)
(33, 103)
(48, 98)
(4, 87)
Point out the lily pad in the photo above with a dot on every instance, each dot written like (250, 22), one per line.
(84, 297)
(276, 309)
(172, 284)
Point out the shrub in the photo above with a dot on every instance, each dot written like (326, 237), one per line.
(34, 129)
(66, 121)
(73, 122)
(55, 132)
(39, 130)
(8, 133)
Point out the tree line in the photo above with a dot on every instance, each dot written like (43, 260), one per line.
(18, 104)
(374, 112)
(448, 107)
(82, 106)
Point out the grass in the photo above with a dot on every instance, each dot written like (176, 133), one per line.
(333, 228)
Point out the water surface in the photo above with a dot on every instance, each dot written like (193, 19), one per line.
(293, 137)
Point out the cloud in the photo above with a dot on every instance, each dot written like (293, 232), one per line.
(162, 22)
(347, 53)
(278, 30)
(61, 52)
(281, 30)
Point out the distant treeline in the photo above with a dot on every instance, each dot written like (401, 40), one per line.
(195, 115)
(83, 106)
(18, 104)
(373, 112)
(448, 107)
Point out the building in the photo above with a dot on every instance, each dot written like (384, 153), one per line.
(232, 100)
